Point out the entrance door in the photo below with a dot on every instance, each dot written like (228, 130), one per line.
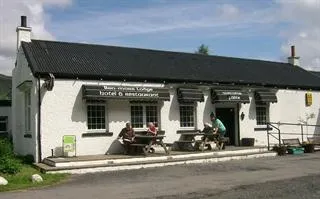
(227, 115)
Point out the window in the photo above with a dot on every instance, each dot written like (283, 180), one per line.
(3, 124)
(262, 114)
(27, 100)
(142, 114)
(96, 113)
(187, 115)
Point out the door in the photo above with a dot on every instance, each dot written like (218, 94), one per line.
(227, 117)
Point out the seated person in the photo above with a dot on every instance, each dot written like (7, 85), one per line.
(209, 134)
(127, 134)
(152, 131)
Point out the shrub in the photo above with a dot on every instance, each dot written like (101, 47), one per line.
(28, 159)
(10, 165)
(6, 148)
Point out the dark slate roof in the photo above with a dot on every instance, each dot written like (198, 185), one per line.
(317, 73)
(87, 61)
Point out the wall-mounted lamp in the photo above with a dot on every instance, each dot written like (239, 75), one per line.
(242, 116)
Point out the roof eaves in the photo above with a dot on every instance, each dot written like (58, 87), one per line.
(30, 58)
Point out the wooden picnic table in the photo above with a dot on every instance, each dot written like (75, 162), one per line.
(147, 141)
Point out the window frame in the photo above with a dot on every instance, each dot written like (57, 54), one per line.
(4, 119)
(194, 106)
(27, 111)
(97, 103)
(267, 115)
(144, 115)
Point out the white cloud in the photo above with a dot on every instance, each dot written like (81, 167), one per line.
(11, 10)
(304, 31)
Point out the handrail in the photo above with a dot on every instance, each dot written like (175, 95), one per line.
(279, 136)
(272, 124)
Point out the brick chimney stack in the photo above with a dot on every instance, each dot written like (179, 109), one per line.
(293, 59)
(23, 32)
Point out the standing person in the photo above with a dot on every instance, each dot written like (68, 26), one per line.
(127, 134)
(218, 127)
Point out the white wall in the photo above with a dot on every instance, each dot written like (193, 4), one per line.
(290, 108)
(20, 74)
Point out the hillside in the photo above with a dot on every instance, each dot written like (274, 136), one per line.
(5, 87)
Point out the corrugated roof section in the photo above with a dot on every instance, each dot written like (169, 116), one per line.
(71, 60)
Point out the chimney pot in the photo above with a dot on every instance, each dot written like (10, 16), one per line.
(24, 21)
(293, 52)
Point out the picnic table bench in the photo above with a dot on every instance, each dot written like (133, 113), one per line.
(145, 142)
(188, 140)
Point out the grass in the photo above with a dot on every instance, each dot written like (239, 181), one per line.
(22, 180)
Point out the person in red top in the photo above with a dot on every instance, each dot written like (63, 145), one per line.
(152, 131)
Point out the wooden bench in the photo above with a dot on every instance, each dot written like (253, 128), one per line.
(292, 142)
(314, 140)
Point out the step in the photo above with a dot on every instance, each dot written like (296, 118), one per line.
(150, 163)
(65, 162)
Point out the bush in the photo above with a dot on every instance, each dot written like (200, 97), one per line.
(6, 148)
(10, 165)
(28, 159)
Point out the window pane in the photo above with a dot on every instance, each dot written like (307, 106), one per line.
(187, 116)
(3, 124)
(261, 115)
(137, 116)
(152, 115)
(96, 116)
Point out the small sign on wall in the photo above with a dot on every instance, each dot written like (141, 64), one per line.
(69, 145)
(308, 99)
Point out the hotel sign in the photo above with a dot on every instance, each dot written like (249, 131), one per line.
(125, 92)
(232, 96)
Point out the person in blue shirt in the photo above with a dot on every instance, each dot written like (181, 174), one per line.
(217, 125)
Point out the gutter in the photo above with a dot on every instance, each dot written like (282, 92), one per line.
(39, 122)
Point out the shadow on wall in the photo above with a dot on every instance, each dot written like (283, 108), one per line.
(115, 148)
(252, 111)
(317, 128)
(174, 108)
(77, 109)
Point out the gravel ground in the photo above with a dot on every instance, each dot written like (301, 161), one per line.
(277, 177)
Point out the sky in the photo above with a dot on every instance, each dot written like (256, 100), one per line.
(257, 29)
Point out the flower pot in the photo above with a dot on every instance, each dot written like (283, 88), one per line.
(281, 150)
(247, 142)
(308, 148)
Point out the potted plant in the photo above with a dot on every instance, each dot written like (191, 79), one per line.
(280, 149)
(308, 147)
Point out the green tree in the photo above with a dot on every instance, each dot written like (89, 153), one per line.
(203, 50)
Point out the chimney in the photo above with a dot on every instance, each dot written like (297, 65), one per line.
(293, 60)
(23, 32)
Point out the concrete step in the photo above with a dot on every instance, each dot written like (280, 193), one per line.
(148, 162)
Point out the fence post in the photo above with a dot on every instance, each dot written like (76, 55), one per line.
(279, 137)
(301, 125)
(268, 136)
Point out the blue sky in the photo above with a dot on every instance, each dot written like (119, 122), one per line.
(225, 39)
(258, 29)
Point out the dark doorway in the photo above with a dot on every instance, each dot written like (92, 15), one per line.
(227, 115)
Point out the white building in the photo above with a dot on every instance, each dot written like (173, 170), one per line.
(91, 91)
